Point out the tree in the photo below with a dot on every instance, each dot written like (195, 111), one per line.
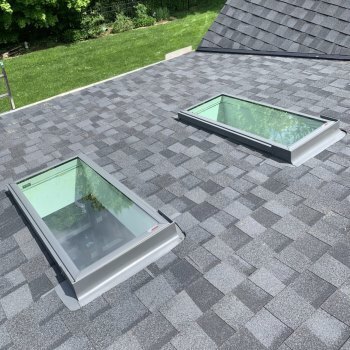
(17, 17)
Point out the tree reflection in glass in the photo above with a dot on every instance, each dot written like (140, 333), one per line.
(99, 220)
(89, 186)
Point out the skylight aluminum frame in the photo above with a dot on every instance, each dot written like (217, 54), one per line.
(116, 266)
(296, 154)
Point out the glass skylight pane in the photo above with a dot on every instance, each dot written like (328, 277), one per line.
(266, 122)
(88, 216)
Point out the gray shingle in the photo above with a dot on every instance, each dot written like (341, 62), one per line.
(274, 186)
(277, 208)
(243, 339)
(202, 259)
(139, 116)
(307, 215)
(198, 234)
(224, 277)
(117, 295)
(5, 339)
(276, 26)
(250, 226)
(310, 246)
(324, 328)
(128, 312)
(218, 330)
(197, 195)
(181, 274)
(265, 217)
(252, 296)
(233, 311)
(213, 226)
(203, 211)
(294, 259)
(290, 308)
(290, 227)
(78, 343)
(10, 281)
(326, 232)
(275, 240)
(341, 252)
(235, 238)
(11, 261)
(218, 248)
(17, 301)
(181, 310)
(204, 294)
(256, 253)
(193, 337)
(312, 288)
(153, 332)
(267, 281)
(37, 335)
(268, 329)
(331, 270)
(238, 210)
(155, 293)
(338, 306)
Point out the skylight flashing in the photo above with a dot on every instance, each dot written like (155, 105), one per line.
(290, 136)
(97, 230)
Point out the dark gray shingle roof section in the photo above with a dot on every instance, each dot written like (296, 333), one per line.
(265, 264)
(306, 28)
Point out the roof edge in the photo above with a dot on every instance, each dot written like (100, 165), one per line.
(80, 88)
(274, 53)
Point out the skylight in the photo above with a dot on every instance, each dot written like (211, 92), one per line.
(292, 137)
(99, 232)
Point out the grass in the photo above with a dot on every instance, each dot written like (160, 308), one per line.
(42, 74)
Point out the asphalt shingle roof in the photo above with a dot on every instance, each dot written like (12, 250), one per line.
(266, 262)
(319, 27)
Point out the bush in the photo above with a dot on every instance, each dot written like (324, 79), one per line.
(91, 26)
(7, 37)
(122, 24)
(142, 19)
(72, 35)
(161, 13)
(174, 5)
(144, 22)
(21, 19)
(141, 11)
(109, 9)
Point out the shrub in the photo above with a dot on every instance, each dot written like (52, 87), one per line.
(7, 37)
(109, 9)
(174, 5)
(122, 23)
(141, 11)
(142, 19)
(144, 22)
(72, 35)
(91, 26)
(161, 13)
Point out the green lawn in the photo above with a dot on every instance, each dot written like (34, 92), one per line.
(42, 74)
